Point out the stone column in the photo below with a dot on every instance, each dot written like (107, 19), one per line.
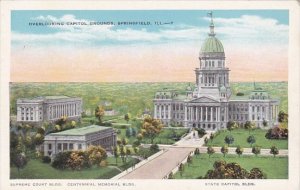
(196, 113)
(255, 113)
(185, 113)
(211, 113)
(261, 114)
(159, 108)
(250, 113)
(165, 112)
(216, 113)
(201, 112)
(206, 113)
(169, 111)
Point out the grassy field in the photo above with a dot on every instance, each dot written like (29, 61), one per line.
(126, 97)
(35, 169)
(274, 168)
(165, 137)
(240, 138)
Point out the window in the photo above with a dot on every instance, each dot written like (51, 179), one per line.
(79, 146)
(59, 146)
(65, 146)
(49, 146)
(71, 146)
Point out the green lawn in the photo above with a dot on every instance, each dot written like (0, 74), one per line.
(274, 168)
(35, 169)
(241, 135)
(165, 137)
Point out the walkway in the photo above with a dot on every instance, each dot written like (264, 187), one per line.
(161, 165)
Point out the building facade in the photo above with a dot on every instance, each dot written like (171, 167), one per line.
(209, 104)
(79, 139)
(48, 108)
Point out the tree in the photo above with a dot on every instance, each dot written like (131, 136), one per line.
(205, 140)
(60, 160)
(256, 150)
(154, 148)
(128, 153)
(127, 117)
(224, 150)
(265, 123)
(210, 151)
(152, 127)
(75, 161)
(239, 150)
(99, 113)
(20, 160)
(211, 137)
(197, 152)
(223, 170)
(116, 152)
(96, 154)
(171, 175)
(274, 150)
(181, 169)
(123, 153)
(277, 133)
(128, 132)
(249, 125)
(139, 137)
(189, 159)
(229, 139)
(39, 139)
(256, 173)
(57, 128)
(282, 117)
(251, 140)
(133, 132)
(73, 124)
(231, 125)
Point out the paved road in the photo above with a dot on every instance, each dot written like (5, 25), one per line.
(160, 166)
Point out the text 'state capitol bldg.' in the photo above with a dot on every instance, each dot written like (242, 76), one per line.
(208, 104)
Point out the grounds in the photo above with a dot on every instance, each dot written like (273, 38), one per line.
(240, 138)
(274, 168)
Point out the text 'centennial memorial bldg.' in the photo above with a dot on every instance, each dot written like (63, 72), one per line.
(208, 104)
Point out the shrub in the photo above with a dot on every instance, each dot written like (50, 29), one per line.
(136, 143)
(277, 133)
(240, 94)
(154, 148)
(46, 159)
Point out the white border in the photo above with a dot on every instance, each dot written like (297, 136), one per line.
(293, 85)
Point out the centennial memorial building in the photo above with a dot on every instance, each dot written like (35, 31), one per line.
(79, 139)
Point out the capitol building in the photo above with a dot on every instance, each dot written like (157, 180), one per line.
(208, 103)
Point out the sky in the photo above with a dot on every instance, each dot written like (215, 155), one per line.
(161, 45)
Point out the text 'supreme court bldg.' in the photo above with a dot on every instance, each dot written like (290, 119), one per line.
(48, 108)
(208, 105)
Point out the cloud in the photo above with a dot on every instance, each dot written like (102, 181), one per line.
(251, 29)
(247, 29)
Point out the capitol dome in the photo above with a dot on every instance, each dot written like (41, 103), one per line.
(212, 45)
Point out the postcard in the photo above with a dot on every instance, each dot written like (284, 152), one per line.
(150, 95)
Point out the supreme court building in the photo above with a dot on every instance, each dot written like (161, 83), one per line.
(48, 108)
(209, 104)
